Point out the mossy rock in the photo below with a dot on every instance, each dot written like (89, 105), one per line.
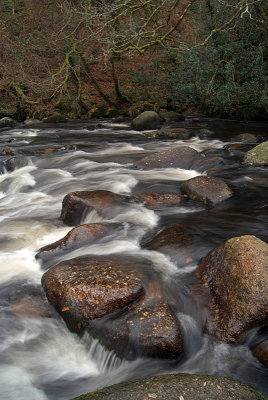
(54, 118)
(257, 156)
(148, 120)
(175, 387)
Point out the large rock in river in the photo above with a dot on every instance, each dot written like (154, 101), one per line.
(234, 281)
(160, 199)
(146, 121)
(207, 189)
(177, 157)
(117, 300)
(77, 237)
(76, 205)
(177, 387)
(257, 156)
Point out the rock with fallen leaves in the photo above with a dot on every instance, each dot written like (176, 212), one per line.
(177, 387)
(118, 300)
(233, 282)
(155, 200)
(206, 189)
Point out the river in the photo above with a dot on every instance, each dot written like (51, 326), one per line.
(40, 359)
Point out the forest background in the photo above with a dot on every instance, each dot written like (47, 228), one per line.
(83, 58)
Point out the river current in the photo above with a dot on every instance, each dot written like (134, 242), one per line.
(39, 358)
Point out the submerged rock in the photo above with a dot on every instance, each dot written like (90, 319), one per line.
(146, 121)
(175, 133)
(117, 301)
(177, 157)
(10, 163)
(257, 156)
(174, 241)
(207, 189)
(7, 151)
(245, 138)
(177, 387)
(77, 237)
(76, 204)
(234, 281)
(160, 199)
(260, 351)
(208, 163)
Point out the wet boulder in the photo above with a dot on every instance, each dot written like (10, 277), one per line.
(177, 157)
(146, 121)
(118, 302)
(206, 189)
(174, 241)
(160, 199)
(175, 133)
(7, 151)
(233, 282)
(257, 156)
(260, 351)
(245, 138)
(177, 387)
(76, 205)
(10, 163)
(7, 122)
(77, 237)
(205, 133)
(55, 118)
(208, 163)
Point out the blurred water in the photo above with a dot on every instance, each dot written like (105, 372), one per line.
(40, 358)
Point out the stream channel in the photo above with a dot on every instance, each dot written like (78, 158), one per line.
(40, 359)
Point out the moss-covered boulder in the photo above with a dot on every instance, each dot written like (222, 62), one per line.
(233, 280)
(206, 189)
(76, 205)
(177, 387)
(146, 121)
(118, 301)
(257, 156)
(54, 118)
(177, 157)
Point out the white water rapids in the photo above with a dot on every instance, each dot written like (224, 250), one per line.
(40, 359)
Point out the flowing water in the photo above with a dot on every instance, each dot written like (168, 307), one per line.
(40, 359)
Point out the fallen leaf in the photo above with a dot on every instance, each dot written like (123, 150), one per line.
(205, 384)
(219, 387)
(79, 325)
(65, 309)
(181, 398)
(188, 260)
(152, 395)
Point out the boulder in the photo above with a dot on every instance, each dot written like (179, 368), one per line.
(117, 301)
(205, 133)
(177, 387)
(76, 205)
(172, 116)
(175, 133)
(208, 163)
(207, 189)
(260, 351)
(7, 122)
(77, 237)
(245, 138)
(10, 163)
(177, 157)
(233, 282)
(257, 156)
(146, 121)
(7, 151)
(174, 241)
(54, 118)
(160, 199)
